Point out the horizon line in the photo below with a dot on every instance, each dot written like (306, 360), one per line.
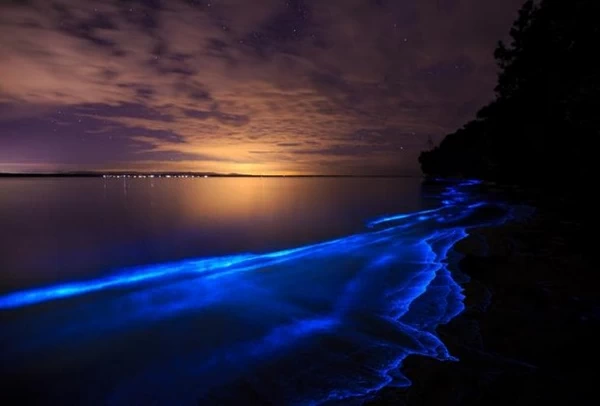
(109, 174)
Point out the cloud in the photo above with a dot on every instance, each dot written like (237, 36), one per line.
(244, 86)
(223, 118)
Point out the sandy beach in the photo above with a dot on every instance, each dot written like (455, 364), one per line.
(529, 331)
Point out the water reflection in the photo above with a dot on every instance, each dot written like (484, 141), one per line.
(64, 229)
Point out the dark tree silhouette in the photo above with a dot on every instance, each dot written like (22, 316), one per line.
(540, 127)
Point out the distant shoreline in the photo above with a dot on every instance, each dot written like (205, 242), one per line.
(182, 175)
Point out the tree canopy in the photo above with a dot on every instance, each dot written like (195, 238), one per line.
(540, 125)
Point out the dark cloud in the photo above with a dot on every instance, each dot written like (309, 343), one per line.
(86, 28)
(130, 110)
(176, 156)
(346, 150)
(223, 118)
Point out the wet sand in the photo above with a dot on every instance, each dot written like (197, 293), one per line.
(529, 332)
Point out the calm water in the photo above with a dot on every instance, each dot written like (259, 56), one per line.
(61, 229)
(178, 291)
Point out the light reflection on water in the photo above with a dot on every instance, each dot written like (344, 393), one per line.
(66, 229)
(319, 322)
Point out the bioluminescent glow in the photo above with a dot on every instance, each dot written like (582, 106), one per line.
(419, 216)
(210, 267)
(338, 316)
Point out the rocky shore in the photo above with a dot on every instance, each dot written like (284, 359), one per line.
(529, 333)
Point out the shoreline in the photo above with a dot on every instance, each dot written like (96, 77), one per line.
(527, 334)
(143, 175)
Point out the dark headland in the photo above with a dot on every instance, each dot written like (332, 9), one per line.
(539, 129)
(530, 329)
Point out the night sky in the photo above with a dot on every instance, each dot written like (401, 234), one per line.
(246, 86)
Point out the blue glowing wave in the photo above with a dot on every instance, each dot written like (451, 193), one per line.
(210, 267)
(354, 308)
